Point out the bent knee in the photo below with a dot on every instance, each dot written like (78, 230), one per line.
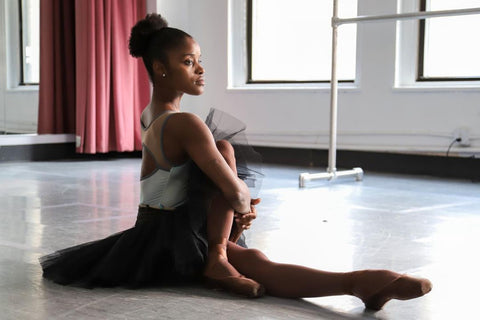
(224, 146)
(226, 149)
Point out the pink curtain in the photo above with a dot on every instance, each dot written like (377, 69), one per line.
(111, 88)
(57, 67)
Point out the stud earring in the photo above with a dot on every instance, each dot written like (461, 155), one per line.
(164, 75)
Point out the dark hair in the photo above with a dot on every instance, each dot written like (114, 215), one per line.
(151, 39)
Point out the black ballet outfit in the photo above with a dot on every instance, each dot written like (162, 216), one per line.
(163, 247)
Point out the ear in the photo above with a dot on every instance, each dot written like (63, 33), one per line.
(158, 67)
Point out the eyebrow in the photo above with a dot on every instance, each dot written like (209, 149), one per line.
(190, 54)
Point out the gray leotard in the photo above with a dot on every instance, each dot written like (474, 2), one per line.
(163, 188)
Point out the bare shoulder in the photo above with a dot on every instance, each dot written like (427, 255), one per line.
(188, 125)
(187, 118)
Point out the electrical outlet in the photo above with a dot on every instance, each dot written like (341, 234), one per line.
(78, 141)
(464, 135)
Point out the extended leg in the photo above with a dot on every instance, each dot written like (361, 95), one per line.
(373, 287)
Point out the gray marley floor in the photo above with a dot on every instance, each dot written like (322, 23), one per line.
(417, 225)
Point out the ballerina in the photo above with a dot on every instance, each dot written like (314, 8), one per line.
(194, 207)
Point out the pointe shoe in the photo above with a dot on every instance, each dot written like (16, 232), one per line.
(402, 288)
(237, 284)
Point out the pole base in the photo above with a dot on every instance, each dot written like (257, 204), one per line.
(305, 177)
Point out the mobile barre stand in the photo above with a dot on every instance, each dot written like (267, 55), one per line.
(332, 172)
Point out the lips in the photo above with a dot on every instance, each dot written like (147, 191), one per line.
(200, 82)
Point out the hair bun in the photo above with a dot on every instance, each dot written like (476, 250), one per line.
(142, 33)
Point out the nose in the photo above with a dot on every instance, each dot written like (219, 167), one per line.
(200, 69)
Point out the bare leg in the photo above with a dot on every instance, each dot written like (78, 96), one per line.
(373, 287)
(219, 224)
(220, 215)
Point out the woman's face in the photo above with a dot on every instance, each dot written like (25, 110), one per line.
(185, 73)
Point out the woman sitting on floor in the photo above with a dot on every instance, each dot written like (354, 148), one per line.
(194, 206)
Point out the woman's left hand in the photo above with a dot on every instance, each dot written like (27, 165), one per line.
(244, 221)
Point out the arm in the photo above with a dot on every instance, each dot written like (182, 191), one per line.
(198, 142)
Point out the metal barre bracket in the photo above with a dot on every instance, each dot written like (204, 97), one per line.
(329, 175)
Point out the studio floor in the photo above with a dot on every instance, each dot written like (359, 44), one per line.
(417, 225)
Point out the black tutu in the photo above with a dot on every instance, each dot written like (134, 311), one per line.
(163, 247)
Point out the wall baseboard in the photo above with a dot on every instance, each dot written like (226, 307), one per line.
(440, 166)
(37, 152)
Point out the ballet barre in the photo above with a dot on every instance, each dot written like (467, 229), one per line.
(332, 173)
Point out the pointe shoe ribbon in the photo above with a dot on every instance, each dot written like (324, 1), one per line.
(237, 284)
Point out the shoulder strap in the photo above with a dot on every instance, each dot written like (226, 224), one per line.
(152, 139)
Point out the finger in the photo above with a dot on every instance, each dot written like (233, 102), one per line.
(251, 215)
(242, 222)
(240, 216)
(255, 201)
(248, 217)
(246, 225)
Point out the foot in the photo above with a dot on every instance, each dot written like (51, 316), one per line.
(377, 287)
(219, 273)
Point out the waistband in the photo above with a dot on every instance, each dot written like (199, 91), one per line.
(146, 213)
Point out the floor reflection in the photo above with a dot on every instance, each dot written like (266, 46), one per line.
(416, 225)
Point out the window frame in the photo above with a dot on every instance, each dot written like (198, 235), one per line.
(249, 37)
(422, 29)
(21, 52)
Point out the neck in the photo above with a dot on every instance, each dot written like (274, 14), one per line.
(165, 100)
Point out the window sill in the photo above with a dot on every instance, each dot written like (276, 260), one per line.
(304, 87)
(439, 86)
(29, 88)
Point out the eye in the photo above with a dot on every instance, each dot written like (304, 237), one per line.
(188, 62)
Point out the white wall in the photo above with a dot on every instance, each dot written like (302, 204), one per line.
(376, 115)
(176, 12)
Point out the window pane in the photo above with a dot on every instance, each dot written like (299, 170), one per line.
(291, 40)
(451, 49)
(31, 41)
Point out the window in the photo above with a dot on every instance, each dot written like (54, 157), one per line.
(290, 41)
(448, 48)
(30, 41)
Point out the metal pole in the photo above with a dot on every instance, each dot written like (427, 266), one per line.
(332, 173)
(332, 153)
(408, 16)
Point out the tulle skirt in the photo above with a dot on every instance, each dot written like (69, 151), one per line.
(163, 247)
